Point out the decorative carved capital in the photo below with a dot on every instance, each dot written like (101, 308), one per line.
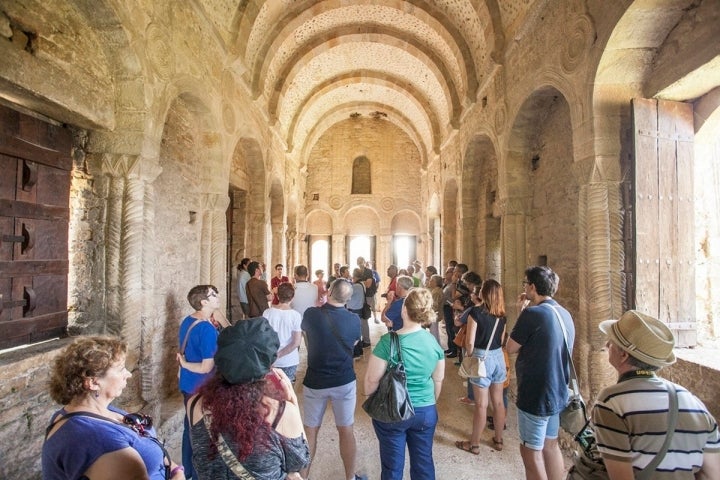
(124, 165)
(215, 201)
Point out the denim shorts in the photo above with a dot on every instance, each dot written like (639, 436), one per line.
(494, 366)
(534, 430)
(343, 404)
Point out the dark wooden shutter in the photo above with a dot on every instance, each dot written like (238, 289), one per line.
(664, 212)
(35, 165)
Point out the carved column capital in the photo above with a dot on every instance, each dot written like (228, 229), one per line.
(215, 201)
(125, 165)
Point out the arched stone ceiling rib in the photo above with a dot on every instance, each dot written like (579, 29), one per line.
(338, 82)
(298, 76)
(369, 109)
(420, 62)
(365, 93)
(460, 22)
(426, 35)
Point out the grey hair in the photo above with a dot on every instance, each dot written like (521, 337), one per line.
(341, 290)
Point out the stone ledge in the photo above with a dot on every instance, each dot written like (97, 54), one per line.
(706, 356)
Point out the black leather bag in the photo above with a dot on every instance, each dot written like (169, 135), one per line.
(391, 403)
(366, 311)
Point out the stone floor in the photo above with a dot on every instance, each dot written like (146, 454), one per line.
(455, 423)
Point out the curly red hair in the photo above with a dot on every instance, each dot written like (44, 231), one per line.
(237, 410)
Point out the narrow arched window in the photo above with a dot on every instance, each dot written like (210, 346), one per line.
(361, 183)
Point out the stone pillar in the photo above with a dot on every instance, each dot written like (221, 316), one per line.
(513, 226)
(213, 240)
(278, 244)
(601, 278)
(384, 255)
(468, 228)
(338, 248)
(129, 275)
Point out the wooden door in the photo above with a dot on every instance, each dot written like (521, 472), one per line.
(35, 165)
(663, 210)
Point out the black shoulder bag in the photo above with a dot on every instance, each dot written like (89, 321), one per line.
(391, 403)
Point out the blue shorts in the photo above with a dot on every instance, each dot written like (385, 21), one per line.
(494, 366)
(343, 404)
(534, 430)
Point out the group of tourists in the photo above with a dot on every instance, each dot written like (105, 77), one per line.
(243, 418)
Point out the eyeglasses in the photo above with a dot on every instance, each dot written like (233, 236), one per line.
(138, 422)
(211, 294)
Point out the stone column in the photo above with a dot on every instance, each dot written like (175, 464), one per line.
(338, 248)
(129, 275)
(601, 278)
(513, 234)
(468, 228)
(213, 240)
(384, 255)
(278, 244)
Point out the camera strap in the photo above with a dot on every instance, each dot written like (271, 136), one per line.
(64, 416)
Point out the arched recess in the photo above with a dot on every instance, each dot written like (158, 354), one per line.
(247, 179)
(540, 222)
(361, 221)
(662, 61)
(277, 223)
(481, 248)
(450, 222)
(195, 251)
(246, 209)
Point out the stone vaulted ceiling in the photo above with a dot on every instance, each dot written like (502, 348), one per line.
(310, 64)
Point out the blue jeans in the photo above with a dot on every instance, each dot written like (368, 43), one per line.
(417, 433)
(186, 445)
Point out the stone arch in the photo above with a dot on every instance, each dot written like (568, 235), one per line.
(661, 61)
(405, 222)
(361, 176)
(540, 221)
(450, 221)
(277, 223)
(319, 222)
(480, 224)
(190, 206)
(247, 175)
(361, 220)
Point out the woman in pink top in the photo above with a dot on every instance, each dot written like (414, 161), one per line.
(322, 289)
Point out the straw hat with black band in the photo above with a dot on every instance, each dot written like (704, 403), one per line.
(643, 337)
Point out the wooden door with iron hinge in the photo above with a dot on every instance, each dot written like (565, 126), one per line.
(35, 164)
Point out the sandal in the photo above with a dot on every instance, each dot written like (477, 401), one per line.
(497, 444)
(465, 446)
(466, 401)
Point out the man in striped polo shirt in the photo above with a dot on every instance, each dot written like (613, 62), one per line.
(631, 417)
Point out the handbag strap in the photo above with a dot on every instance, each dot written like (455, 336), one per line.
(187, 336)
(492, 335)
(228, 457)
(395, 348)
(574, 384)
(672, 423)
(335, 332)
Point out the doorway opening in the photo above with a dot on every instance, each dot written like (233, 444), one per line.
(360, 246)
(404, 248)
